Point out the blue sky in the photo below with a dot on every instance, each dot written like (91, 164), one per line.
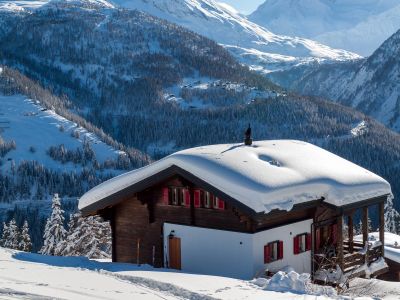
(244, 6)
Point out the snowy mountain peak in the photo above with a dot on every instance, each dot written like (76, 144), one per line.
(249, 42)
(337, 23)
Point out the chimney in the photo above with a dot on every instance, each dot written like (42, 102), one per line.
(247, 137)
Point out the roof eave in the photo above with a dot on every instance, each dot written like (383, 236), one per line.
(348, 208)
(158, 178)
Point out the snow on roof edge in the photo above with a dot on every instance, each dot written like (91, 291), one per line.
(268, 175)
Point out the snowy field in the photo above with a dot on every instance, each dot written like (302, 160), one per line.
(30, 125)
(33, 276)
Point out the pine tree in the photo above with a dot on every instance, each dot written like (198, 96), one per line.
(90, 237)
(54, 232)
(66, 247)
(392, 216)
(5, 235)
(14, 235)
(25, 242)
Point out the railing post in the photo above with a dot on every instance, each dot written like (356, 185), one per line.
(382, 226)
(351, 232)
(340, 241)
(365, 224)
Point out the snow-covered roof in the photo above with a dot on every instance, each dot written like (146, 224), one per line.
(268, 175)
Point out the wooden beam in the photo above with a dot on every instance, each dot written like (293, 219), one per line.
(365, 224)
(351, 232)
(382, 225)
(192, 208)
(113, 237)
(340, 241)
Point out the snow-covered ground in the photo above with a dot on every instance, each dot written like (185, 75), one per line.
(33, 276)
(30, 125)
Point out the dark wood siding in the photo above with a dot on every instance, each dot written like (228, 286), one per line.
(140, 219)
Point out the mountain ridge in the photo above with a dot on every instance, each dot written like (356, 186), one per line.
(370, 85)
(340, 24)
(247, 41)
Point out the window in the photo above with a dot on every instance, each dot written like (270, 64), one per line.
(207, 198)
(176, 196)
(273, 251)
(301, 243)
(215, 202)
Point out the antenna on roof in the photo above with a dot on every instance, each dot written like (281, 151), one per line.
(247, 137)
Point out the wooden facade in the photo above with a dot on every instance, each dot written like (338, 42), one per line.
(137, 221)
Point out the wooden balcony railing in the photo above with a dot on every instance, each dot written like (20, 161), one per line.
(351, 261)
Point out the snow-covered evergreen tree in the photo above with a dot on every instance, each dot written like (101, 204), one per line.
(25, 243)
(5, 235)
(90, 237)
(14, 235)
(54, 232)
(392, 216)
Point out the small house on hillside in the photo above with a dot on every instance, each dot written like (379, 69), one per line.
(240, 209)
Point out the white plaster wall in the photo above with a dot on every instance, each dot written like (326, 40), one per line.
(233, 254)
(300, 262)
(214, 252)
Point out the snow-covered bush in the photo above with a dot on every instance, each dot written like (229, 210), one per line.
(54, 232)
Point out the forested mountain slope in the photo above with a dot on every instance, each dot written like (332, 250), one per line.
(250, 43)
(371, 85)
(159, 87)
(47, 149)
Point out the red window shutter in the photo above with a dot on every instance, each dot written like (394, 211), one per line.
(187, 197)
(165, 195)
(309, 242)
(334, 233)
(267, 257)
(280, 251)
(221, 204)
(317, 238)
(197, 198)
(296, 249)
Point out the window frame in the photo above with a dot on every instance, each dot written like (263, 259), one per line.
(176, 195)
(274, 246)
(303, 241)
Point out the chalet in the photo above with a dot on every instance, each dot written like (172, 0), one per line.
(242, 209)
